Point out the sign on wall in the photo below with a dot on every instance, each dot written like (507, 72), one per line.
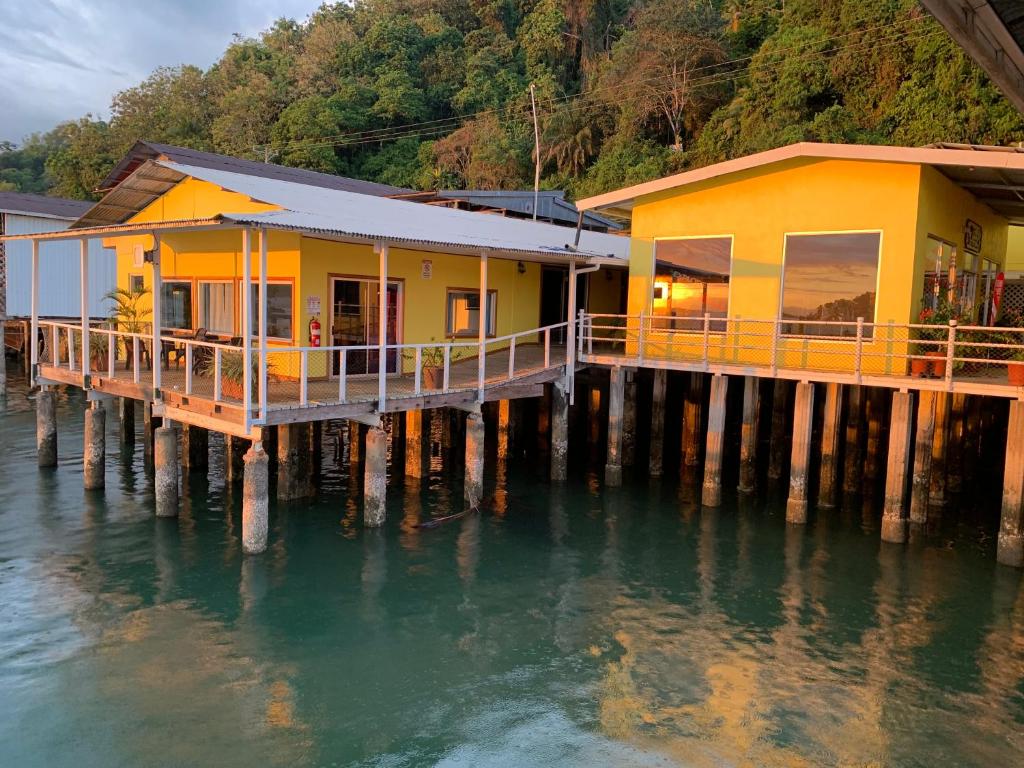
(312, 305)
(427, 269)
(972, 236)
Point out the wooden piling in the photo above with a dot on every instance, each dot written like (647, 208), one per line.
(150, 424)
(629, 420)
(126, 420)
(473, 489)
(894, 509)
(853, 454)
(777, 446)
(657, 451)
(828, 475)
(504, 429)
(235, 449)
(920, 484)
(955, 446)
(711, 493)
(693, 415)
(1010, 547)
(616, 395)
(195, 449)
(803, 419)
(593, 415)
(873, 451)
(417, 444)
(748, 434)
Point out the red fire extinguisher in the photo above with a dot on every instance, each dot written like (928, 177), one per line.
(314, 332)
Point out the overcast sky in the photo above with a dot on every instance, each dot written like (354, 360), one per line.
(60, 59)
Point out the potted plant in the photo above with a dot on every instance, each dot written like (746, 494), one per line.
(1015, 369)
(432, 362)
(127, 314)
(232, 373)
(1013, 318)
(98, 345)
(940, 317)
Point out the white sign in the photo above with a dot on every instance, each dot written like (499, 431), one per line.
(427, 269)
(312, 305)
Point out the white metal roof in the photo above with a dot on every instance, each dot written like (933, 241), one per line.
(353, 216)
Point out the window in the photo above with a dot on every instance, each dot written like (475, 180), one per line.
(279, 310)
(691, 278)
(217, 307)
(176, 304)
(829, 277)
(463, 318)
(136, 284)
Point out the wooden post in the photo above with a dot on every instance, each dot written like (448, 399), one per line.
(777, 448)
(692, 418)
(803, 419)
(828, 476)
(1011, 523)
(940, 444)
(711, 493)
(748, 434)
(853, 469)
(924, 440)
(894, 510)
(629, 420)
(474, 478)
(875, 413)
(415, 438)
(658, 422)
(955, 446)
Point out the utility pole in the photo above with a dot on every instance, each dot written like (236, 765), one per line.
(536, 151)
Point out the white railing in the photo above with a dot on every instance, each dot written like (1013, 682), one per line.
(848, 349)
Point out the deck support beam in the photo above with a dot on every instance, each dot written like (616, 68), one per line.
(894, 509)
(748, 434)
(657, 452)
(95, 457)
(711, 494)
(616, 396)
(828, 477)
(165, 476)
(255, 500)
(416, 439)
(46, 427)
(1010, 548)
(375, 478)
(803, 418)
(923, 442)
(474, 473)
(559, 433)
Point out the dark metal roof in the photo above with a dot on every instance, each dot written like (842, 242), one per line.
(148, 150)
(41, 205)
(551, 205)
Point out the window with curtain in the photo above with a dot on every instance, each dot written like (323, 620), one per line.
(691, 279)
(463, 316)
(279, 310)
(176, 304)
(829, 277)
(217, 307)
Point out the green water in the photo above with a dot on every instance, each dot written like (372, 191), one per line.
(576, 627)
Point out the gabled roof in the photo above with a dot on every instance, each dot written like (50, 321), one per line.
(995, 175)
(41, 205)
(149, 150)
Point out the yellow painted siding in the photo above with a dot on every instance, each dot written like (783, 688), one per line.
(1015, 251)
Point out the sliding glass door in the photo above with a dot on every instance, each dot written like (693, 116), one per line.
(355, 321)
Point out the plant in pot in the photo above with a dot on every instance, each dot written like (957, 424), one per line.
(432, 362)
(1014, 352)
(940, 317)
(232, 373)
(128, 314)
(98, 345)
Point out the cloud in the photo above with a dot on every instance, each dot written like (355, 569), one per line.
(60, 59)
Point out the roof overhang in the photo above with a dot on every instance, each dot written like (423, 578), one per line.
(148, 182)
(992, 33)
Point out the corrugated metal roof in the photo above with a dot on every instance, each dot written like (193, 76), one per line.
(369, 218)
(145, 184)
(41, 205)
(148, 150)
(551, 204)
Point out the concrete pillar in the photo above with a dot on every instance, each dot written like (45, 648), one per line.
(559, 434)
(95, 459)
(711, 494)
(46, 428)
(894, 509)
(375, 478)
(234, 461)
(504, 428)
(474, 477)
(150, 424)
(748, 434)
(126, 417)
(195, 449)
(657, 451)
(416, 440)
(828, 476)
(777, 447)
(1010, 549)
(165, 464)
(290, 450)
(616, 395)
(940, 443)
(925, 438)
(629, 421)
(255, 500)
(692, 417)
(803, 419)
(853, 469)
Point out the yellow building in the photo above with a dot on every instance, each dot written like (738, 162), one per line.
(801, 241)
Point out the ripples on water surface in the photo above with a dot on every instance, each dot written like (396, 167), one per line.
(571, 627)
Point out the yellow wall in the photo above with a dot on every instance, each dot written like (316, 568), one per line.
(1015, 251)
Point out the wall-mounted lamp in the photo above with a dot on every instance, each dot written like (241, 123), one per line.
(521, 268)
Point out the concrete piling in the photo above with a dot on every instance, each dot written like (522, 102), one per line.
(294, 466)
(629, 421)
(616, 396)
(95, 458)
(46, 428)
(126, 419)
(195, 449)
(559, 434)
(853, 469)
(803, 419)
(924, 439)
(1010, 547)
(777, 446)
(417, 444)
(711, 493)
(692, 417)
(828, 476)
(375, 478)
(474, 477)
(255, 500)
(894, 509)
(150, 424)
(165, 464)
(748, 434)
(234, 461)
(657, 450)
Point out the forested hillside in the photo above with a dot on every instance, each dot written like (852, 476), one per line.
(435, 93)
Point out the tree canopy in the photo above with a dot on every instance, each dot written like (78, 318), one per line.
(435, 93)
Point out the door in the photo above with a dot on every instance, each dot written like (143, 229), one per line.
(554, 298)
(355, 321)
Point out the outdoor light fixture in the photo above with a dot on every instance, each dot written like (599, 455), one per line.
(521, 268)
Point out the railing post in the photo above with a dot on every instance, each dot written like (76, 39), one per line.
(111, 352)
(55, 349)
(775, 345)
(639, 337)
(189, 353)
(342, 374)
(71, 347)
(303, 377)
(484, 315)
(858, 353)
(84, 245)
(382, 326)
(34, 343)
(417, 373)
(950, 354)
(581, 323)
(707, 340)
(512, 359)
(217, 353)
(447, 367)
(262, 329)
(156, 354)
(547, 347)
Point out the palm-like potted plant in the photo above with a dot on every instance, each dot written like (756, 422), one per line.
(1013, 318)
(940, 316)
(128, 314)
(232, 373)
(432, 362)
